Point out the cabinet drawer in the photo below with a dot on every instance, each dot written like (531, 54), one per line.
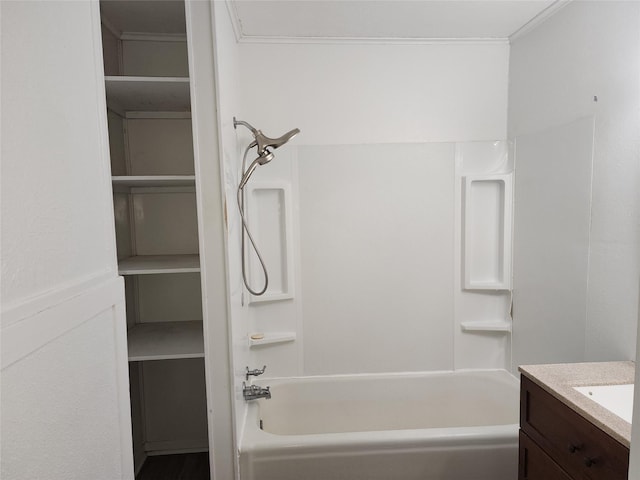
(534, 464)
(578, 446)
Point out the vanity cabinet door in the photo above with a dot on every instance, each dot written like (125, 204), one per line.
(534, 464)
(583, 450)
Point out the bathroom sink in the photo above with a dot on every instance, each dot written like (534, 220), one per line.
(618, 399)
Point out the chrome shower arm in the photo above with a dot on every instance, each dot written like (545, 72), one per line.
(245, 124)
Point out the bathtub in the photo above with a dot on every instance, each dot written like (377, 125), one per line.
(460, 425)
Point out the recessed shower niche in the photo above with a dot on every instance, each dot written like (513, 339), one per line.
(269, 212)
(487, 231)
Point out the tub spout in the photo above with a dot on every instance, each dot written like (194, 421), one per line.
(254, 392)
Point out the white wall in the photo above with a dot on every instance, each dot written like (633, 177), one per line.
(377, 249)
(551, 243)
(65, 406)
(55, 203)
(587, 50)
(374, 165)
(376, 93)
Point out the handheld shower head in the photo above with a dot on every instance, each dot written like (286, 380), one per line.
(266, 157)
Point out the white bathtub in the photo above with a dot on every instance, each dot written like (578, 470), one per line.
(433, 426)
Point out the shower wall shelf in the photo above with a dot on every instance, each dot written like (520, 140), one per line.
(272, 338)
(487, 326)
(487, 225)
(148, 94)
(157, 264)
(165, 341)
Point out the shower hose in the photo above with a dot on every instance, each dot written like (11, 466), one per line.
(245, 229)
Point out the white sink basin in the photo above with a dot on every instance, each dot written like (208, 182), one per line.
(618, 399)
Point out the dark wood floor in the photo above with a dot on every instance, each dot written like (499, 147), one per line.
(188, 466)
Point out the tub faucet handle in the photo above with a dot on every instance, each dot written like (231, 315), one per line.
(255, 372)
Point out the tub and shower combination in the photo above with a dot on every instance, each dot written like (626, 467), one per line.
(459, 425)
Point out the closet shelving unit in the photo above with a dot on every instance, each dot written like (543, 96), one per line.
(148, 102)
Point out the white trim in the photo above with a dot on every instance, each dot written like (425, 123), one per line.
(235, 19)
(111, 292)
(33, 305)
(103, 129)
(122, 376)
(540, 18)
(521, 31)
(370, 40)
(242, 38)
(33, 325)
(200, 21)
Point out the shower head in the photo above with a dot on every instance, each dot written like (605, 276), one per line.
(262, 142)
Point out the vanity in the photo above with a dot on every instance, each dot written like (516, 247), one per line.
(568, 428)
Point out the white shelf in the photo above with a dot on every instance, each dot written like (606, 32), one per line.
(148, 94)
(486, 326)
(154, 264)
(165, 341)
(154, 181)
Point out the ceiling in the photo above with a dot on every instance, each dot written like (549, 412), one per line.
(386, 19)
(344, 19)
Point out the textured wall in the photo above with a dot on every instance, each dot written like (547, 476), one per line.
(57, 224)
(65, 411)
(59, 408)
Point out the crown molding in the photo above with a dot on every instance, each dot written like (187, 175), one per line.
(369, 40)
(536, 21)
(261, 39)
(235, 19)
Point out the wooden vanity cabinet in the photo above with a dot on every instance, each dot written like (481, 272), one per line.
(558, 443)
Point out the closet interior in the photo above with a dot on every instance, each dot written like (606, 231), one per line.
(150, 136)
